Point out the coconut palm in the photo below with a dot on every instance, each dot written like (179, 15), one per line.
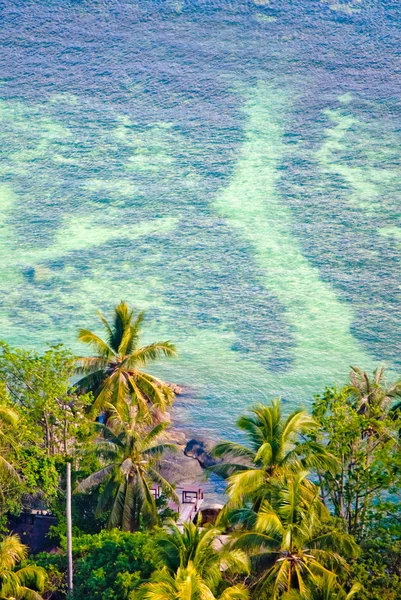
(287, 541)
(186, 584)
(276, 447)
(131, 453)
(18, 584)
(116, 372)
(204, 549)
(372, 396)
(323, 588)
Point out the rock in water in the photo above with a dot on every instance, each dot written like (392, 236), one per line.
(200, 450)
(175, 388)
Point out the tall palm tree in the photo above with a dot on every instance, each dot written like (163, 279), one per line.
(186, 584)
(18, 584)
(288, 546)
(276, 447)
(372, 396)
(203, 548)
(323, 588)
(116, 372)
(131, 453)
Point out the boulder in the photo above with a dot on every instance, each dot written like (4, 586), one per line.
(175, 388)
(200, 450)
(175, 436)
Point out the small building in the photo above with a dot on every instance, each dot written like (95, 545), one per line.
(209, 513)
(33, 527)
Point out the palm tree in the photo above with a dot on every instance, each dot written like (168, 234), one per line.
(276, 447)
(115, 373)
(286, 539)
(17, 584)
(186, 584)
(203, 548)
(132, 454)
(372, 397)
(323, 588)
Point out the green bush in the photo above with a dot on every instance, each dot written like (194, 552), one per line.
(109, 565)
(378, 569)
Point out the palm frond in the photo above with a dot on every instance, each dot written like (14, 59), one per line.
(95, 479)
(157, 392)
(159, 450)
(8, 470)
(244, 484)
(107, 327)
(128, 512)
(232, 450)
(115, 518)
(122, 322)
(236, 592)
(12, 551)
(105, 498)
(155, 432)
(225, 470)
(94, 341)
(32, 577)
(9, 416)
(90, 383)
(254, 541)
(136, 330)
(167, 488)
(268, 521)
(154, 351)
(299, 422)
(28, 594)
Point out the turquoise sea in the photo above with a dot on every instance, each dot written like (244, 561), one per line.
(230, 166)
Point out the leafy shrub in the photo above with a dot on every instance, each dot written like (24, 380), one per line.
(109, 565)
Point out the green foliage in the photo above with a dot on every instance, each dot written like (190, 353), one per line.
(85, 519)
(200, 547)
(324, 587)
(31, 472)
(39, 470)
(186, 584)
(298, 537)
(18, 581)
(109, 565)
(165, 513)
(115, 375)
(276, 447)
(131, 452)
(195, 565)
(378, 570)
(40, 386)
(290, 538)
(360, 431)
(55, 566)
(51, 423)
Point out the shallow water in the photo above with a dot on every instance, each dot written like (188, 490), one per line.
(232, 167)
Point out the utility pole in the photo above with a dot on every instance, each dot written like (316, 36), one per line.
(69, 530)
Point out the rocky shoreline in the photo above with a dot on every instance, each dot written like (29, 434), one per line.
(187, 466)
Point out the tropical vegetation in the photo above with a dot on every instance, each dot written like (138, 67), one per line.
(130, 453)
(25, 583)
(312, 508)
(115, 374)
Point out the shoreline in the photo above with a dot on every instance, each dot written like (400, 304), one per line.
(188, 465)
